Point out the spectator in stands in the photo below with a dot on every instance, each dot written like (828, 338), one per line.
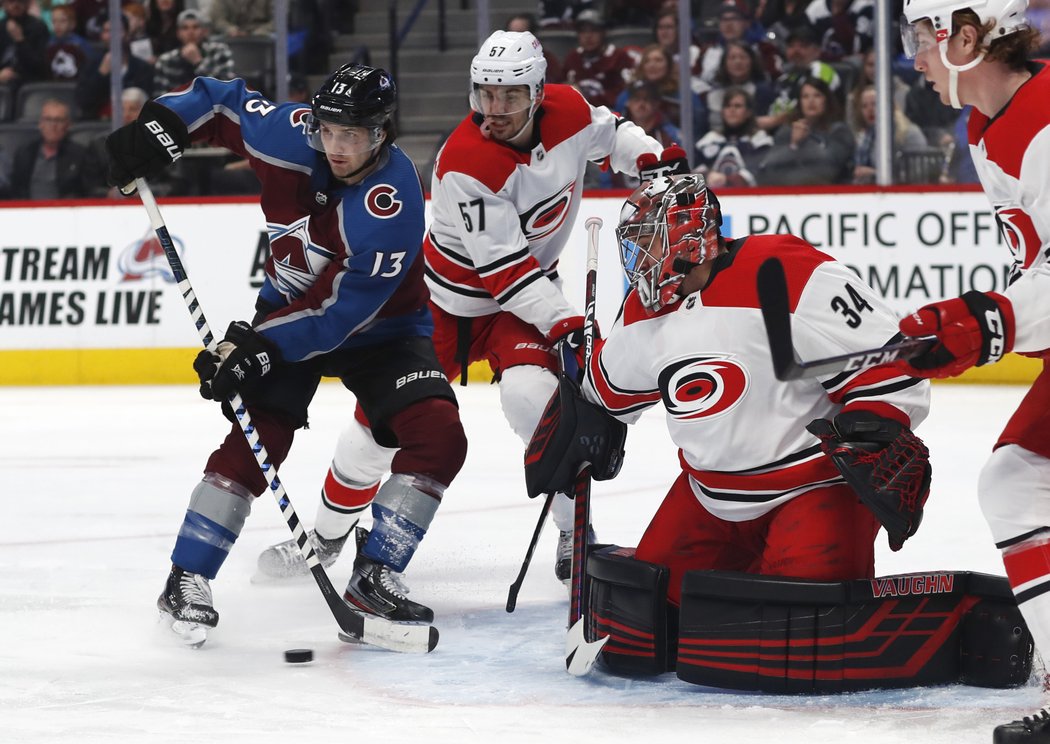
(923, 106)
(958, 164)
(779, 17)
(631, 12)
(740, 68)
(50, 166)
(733, 24)
(242, 17)
(644, 109)
(816, 148)
(67, 51)
(665, 32)
(802, 62)
(527, 22)
(560, 13)
(138, 40)
(196, 57)
(730, 154)
(866, 77)
(90, 14)
(162, 24)
(23, 45)
(906, 136)
(596, 67)
(656, 68)
(844, 27)
(93, 87)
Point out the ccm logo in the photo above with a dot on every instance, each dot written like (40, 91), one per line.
(413, 376)
(870, 360)
(165, 140)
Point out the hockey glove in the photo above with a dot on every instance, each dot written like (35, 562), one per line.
(884, 463)
(146, 146)
(569, 332)
(974, 329)
(672, 162)
(241, 358)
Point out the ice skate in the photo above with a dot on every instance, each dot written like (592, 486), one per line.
(284, 561)
(1034, 729)
(378, 590)
(186, 603)
(563, 555)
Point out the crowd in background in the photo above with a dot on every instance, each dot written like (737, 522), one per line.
(782, 91)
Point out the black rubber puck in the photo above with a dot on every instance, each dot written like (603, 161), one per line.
(298, 655)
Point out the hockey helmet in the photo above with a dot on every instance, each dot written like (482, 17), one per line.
(354, 96)
(668, 226)
(508, 58)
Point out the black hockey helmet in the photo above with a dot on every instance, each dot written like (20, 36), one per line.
(355, 96)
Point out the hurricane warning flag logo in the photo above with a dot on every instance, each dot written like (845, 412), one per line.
(145, 258)
(702, 387)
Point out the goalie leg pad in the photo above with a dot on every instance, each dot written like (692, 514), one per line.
(628, 603)
(770, 634)
(572, 432)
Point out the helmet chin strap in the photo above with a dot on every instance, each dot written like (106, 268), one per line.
(953, 73)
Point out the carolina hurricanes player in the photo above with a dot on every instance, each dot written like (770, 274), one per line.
(506, 190)
(763, 498)
(977, 54)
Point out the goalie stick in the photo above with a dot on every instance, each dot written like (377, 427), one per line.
(776, 314)
(580, 654)
(376, 631)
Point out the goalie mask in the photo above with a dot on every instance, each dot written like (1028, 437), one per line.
(668, 226)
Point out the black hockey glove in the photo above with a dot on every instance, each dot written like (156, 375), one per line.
(884, 463)
(242, 357)
(146, 146)
(672, 162)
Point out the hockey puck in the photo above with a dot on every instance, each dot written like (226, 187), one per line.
(299, 655)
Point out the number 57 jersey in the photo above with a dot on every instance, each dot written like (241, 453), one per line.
(741, 432)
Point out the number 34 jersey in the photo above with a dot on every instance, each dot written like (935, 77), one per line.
(741, 432)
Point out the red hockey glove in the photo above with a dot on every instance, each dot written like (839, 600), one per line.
(974, 329)
(570, 332)
(885, 464)
(242, 357)
(672, 162)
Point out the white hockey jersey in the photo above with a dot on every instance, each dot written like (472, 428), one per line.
(500, 216)
(1012, 155)
(740, 431)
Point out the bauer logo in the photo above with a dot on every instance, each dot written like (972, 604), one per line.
(427, 374)
(702, 387)
(145, 258)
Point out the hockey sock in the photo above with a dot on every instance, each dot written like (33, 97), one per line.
(1028, 568)
(342, 502)
(401, 514)
(213, 521)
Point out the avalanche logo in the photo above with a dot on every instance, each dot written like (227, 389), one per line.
(1020, 235)
(146, 258)
(547, 216)
(380, 201)
(298, 118)
(702, 387)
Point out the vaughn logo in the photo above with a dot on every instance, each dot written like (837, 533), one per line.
(903, 586)
(145, 258)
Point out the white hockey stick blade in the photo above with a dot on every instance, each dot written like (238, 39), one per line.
(579, 654)
(404, 638)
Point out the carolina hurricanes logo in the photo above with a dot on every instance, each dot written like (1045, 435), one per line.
(703, 387)
(380, 201)
(145, 258)
(544, 218)
(1020, 234)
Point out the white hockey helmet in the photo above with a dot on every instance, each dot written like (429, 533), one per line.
(1008, 15)
(509, 58)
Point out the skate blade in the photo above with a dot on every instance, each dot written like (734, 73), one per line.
(350, 639)
(192, 635)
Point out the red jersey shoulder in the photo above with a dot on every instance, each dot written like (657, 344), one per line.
(471, 153)
(1008, 135)
(634, 311)
(565, 114)
(736, 285)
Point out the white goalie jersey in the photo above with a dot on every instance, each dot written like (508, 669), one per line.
(741, 432)
(501, 217)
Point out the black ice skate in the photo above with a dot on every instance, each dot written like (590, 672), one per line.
(284, 561)
(377, 590)
(563, 556)
(186, 603)
(1029, 730)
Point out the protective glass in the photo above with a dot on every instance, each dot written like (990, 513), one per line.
(337, 139)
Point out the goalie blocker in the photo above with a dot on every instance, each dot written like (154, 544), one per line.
(779, 635)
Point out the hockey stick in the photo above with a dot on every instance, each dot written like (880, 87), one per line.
(776, 314)
(580, 654)
(377, 631)
(512, 594)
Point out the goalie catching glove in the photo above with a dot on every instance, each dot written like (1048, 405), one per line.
(146, 146)
(884, 463)
(572, 433)
(241, 358)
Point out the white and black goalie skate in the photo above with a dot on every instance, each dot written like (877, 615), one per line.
(187, 604)
(1034, 729)
(378, 590)
(563, 556)
(284, 561)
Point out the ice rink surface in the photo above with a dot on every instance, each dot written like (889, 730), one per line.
(96, 482)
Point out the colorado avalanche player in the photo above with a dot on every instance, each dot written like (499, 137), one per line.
(506, 191)
(344, 297)
(978, 54)
(779, 498)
